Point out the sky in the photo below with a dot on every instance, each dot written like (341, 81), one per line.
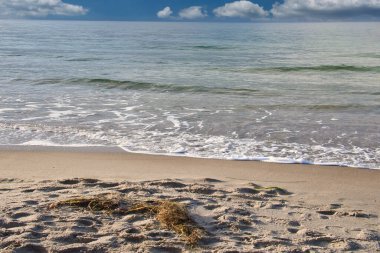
(193, 10)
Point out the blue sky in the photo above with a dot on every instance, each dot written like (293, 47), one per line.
(147, 9)
(193, 10)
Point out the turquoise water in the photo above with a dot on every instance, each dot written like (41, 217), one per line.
(294, 92)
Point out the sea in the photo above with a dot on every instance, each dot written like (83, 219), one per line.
(275, 92)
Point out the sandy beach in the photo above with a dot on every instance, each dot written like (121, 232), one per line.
(240, 206)
(189, 126)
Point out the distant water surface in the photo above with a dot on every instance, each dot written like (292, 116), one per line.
(306, 93)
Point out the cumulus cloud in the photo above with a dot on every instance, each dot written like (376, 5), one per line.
(193, 12)
(165, 12)
(241, 9)
(38, 8)
(326, 9)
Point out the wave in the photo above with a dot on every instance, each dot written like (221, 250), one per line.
(331, 107)
(369, 55)
(210, 47)
(185, 144)
(134, 85)
(160, 87)
(375, 93)
(316, 107)
(320, 68)
(86, 59)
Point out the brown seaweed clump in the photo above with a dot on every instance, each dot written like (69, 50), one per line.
(171, 215)
(174, 216)
(95, 204)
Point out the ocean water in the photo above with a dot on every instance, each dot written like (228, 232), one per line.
(296, 92)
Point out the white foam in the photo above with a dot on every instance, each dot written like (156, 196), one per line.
(175, 121)
(195, 109)
(272, 159)
(53, 144)
(258, 159)
(182, 143)
(58, 114)
(7, 109)
(32, 118)
(131, 108)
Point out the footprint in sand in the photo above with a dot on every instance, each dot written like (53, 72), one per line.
(104, 240)
(30, 248)
(159, 234)
(265, 243)
(273, 205)
(292, 230)
(201, 189)
(164, 249)
(211, 180)
(355, 213)
(294, 223)
(8, 223)
(36, 217)
(107, 185)
(73, 248)
(20, 215)
(132, 231)
(133, 238)
(51, 188)
(325, 241)
(335, 206)
(168, 184)
(327, 212)
(31, 202)
(33, 235)
(78, 181)
(247, 191)
(65, 237)
(368, 235)
(211, 206)
(84, 229)
(347, 246)
(70, 181)
(322, 241)
(86, 221)
(28, 190)
(128, 190)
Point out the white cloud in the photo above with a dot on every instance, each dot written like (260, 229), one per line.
(193, 12)
(38, 8)
(326, 9)
(165, 12)
(241, 9)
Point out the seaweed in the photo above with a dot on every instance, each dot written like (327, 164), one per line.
(171, 215)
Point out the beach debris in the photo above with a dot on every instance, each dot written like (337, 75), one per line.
(174, 216)
(171, 215)
(96, 203)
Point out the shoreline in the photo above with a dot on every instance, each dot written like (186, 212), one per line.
(118, 149)
(47, 163)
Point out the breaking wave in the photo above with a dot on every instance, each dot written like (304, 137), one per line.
(135, 85)
(320, 68)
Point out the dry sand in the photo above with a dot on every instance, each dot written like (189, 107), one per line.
(322, 209)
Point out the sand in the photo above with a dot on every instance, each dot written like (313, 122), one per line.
(314, 208)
